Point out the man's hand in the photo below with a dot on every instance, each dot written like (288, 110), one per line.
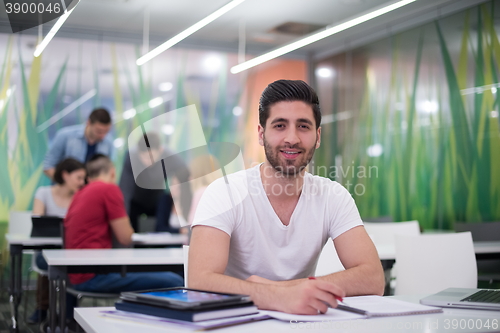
(309, 297)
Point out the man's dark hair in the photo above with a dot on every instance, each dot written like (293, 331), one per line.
(69, 165)
(98, 164)
(288, 91)
(100, 115)
(152, 141)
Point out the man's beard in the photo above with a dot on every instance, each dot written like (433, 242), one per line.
(288, 168)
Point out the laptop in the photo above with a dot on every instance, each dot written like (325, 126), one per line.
(478, 299)
(46, 226)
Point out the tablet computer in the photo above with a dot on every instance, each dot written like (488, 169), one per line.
(185, 298)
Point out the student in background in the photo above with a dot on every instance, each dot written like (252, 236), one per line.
(97, 212)
(81, 142)
(69, 177)
(145, 193)
(203, 173)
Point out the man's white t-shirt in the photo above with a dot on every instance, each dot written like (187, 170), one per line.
(260, 244)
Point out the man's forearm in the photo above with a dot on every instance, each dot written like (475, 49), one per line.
(263, 295)
(359, 280)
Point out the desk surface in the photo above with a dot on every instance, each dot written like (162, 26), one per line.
(139, 239)
(388, 251)
(92, 322)
(14, 239)
(171, 256)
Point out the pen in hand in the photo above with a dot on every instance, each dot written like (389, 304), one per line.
(338, 298)
(344, 306)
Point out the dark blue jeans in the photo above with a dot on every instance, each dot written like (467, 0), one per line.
(115, 283)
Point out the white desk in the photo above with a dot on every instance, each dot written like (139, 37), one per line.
(18, 243)
(62, 262)
(92, 322)
(482, 250)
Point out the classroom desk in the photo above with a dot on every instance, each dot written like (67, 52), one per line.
(19, 243)
(92, 322)
(62, 262)
(483, 250)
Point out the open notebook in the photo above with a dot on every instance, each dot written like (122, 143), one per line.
(365, 307)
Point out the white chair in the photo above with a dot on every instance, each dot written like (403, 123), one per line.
(430, 263)
(20, 223)
(384, 233)
(185, 249)
(328, 261)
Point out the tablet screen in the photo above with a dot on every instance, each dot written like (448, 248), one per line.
(189, 296)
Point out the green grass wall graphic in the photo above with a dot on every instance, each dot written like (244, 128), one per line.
(436, 167)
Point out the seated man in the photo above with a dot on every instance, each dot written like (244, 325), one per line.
(260, 231)
(95, 213)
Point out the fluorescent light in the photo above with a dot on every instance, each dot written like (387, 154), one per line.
(165, 86)
(155, 102)
(67, 110)
(212, 64)
(129, 114)
(429, 106)
(168, 129)
(237, 111)
(40, 47)
(317, 36)
(118, 142)
(324, 72)
(375, 150)
(189, 31)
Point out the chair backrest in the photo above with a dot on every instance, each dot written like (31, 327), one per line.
(379, 219)
(482, 231)
(328, 261)
(430, 263)
(384, 233)
(20, 223)
(185, 249)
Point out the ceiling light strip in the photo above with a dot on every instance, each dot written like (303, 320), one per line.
(189, 31)
(66, 110)
(318, 36)
(40, 47)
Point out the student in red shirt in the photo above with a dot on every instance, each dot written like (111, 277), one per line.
(96, 213)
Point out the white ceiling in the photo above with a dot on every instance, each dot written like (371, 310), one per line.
(123, 21)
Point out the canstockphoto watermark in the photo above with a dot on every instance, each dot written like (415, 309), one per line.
(364, 325)
(26, 14)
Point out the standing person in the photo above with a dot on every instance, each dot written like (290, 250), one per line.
(96, 213)
(267, 244)
(69, 177)
(81, 142)
(145, 193)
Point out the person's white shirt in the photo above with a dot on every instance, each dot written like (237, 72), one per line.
(260, 243)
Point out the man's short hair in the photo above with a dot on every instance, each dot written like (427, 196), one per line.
(98, 164)
(100, 115)
(152, 141)
(288, 91)
(69, 165)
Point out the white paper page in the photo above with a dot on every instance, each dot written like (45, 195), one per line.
(330, 315)
(378, 305)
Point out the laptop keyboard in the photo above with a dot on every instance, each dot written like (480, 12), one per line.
(484, 296)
